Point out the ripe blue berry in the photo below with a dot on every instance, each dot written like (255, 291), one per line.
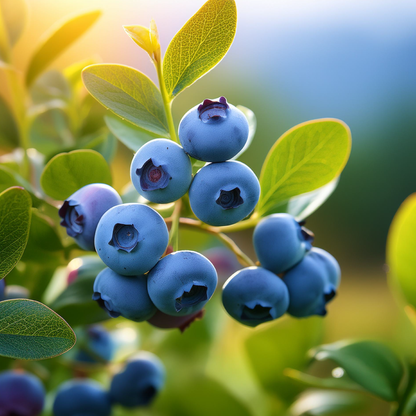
(213, 131)
(312, 283)
(81, 212)
(131, 238)
(122, 295)
(163, 321)
(281, 242)
(224, 193)
(255, 295)
(21, 394)
(161, 171)
(139, 382)
(99, 345)
(81, 397)
(182, 282)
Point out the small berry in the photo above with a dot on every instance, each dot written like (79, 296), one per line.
(182, 282)
(81, 212)
(139, 382)
(81, 397)
(161, 171)
(281, 242)
(224, 193)
(255, 295)
(123, 296)
(131, 238)
(213, 131)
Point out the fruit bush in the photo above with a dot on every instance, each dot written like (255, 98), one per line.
(115, 290)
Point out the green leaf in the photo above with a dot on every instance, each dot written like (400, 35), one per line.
(401, 245)
(15, 213)
(14, 16)
(56, 40)
(130, 135)
(30, 330)
(9, 133)
(128, 93)
(281, 345)
(65, 173)
(252, 126)
(370, 364)
(305, 158)
(324, 403)
(50, 87)
(200, 45)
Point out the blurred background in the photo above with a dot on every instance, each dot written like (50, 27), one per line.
(292, 61)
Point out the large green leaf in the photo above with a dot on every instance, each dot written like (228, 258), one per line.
(67, 172)
(9, 133)
(401, 247)
(370, 364)
(130, 135)
(15, 213)
(14, 14)
(305, 158)
(284, 344)
(56, 40)
(31, 331)
(128, 93)
(200, 45)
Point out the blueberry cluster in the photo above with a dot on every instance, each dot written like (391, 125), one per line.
(294, 277)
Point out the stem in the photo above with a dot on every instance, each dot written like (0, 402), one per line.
(242, 225)
(167, 104)
(404, 398)
(174, 230)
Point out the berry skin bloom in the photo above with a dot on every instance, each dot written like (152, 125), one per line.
(140, 381)
(281, 242)
(213, 131)
(131, 238)
(81, 397)
(312, 283)
(123, 296)
(182, 283)
(82, 211)
(161, 171)
(224, 193)
(255, 295)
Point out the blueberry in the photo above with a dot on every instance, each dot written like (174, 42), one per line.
(131, 238)
(312, 283)
(98, 345)
(224, 193)
(281, 242)
(123, 296)
(139, 382)
(255, 295)
(181, 283)
(81, 212)
(163, 321)
(213, 131)
(161, 171)
(81, 397)
(21, 394)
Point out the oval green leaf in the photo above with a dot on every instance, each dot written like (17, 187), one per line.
(30, 330)
(67, 172)
(130, 135)
(370, 364)
(303, 159)
(129, 94)
(200, 45)
(56, 40)
(15, 215)
(9, 133)
(401, 246)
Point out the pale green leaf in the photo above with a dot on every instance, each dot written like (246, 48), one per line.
(305, 158)
(67, 172)
(56, 40)
(30, 330)
(128, 93)
(15, 214)
(200, 45)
